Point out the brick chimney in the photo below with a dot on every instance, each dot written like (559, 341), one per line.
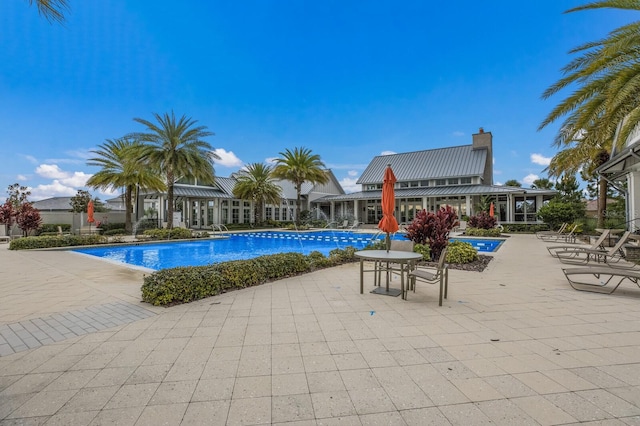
(484, 140)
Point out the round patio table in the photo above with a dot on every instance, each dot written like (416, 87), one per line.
(403, 258)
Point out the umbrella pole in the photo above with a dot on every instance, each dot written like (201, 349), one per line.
(387, 241)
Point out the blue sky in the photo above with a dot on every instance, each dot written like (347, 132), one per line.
(348, 79)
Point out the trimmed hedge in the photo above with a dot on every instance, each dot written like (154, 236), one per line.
(528, 228)
(480, 232)
(461, 252)
(52, 228)
(186, 284)
(168, 234)
(27, 243)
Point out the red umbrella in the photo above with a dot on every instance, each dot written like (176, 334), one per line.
(491, 210)
(388, 223)
(90, 218)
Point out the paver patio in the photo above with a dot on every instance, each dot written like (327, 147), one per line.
(512, 345)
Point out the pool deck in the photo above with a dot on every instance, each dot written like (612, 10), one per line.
(514, 344)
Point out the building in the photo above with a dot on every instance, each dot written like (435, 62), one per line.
(456, 176)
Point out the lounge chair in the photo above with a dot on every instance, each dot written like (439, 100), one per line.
(355, 225)
(345, 224)
(613, 257)
(432, 275)
(600, 279)
(560, 230)
(567, 237)
(598, 245)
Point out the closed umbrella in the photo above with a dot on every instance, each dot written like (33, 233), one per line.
(491, 212)
(90, 218)
(388, 223)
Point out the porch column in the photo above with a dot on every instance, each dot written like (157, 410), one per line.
(356, 210)
(161, 212)
(332, 211)
(633, 200)
(468, 204)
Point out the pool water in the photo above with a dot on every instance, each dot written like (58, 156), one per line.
(481, 244)
(238, 246)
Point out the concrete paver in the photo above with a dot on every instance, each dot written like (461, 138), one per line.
(512, 345)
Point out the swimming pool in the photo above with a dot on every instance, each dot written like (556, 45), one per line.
(483, 245)
(240, 246)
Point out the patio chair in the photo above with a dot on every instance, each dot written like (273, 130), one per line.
(355, 225)
(560, 230)
(613, 257)
(600, 279)
(345, 224)
(432, 275)
(598, 245)
(568, 237)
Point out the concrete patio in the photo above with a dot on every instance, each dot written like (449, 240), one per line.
(513, 345)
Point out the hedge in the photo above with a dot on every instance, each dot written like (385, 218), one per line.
(168, 234)
(26, 243)
(461, 252)
(481, 232)
(185, 284)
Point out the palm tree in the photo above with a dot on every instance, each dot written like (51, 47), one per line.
(605, 108)
(299, 166)
(513, 182)
(256, 183)
(122, 166)
(52, 10)
(176, 147)
(542, 183)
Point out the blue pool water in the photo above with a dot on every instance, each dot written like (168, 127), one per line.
(236, 247)
(481, 244)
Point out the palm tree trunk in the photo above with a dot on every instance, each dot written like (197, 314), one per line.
(298, 202)
(128, 206)
(602, 201)
(170, 200)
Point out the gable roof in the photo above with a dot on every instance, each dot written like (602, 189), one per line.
(53, 203)
(457, 161)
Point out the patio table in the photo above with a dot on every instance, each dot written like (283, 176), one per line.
(403, 258)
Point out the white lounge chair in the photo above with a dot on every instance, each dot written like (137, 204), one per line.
(613, 257)
(555, 251)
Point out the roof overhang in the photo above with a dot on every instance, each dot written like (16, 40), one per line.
(622, 163)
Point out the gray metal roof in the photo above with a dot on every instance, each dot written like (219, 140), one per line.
(457, 161)
(199, 191)
(226, 184)
(289, 189)
(440, 191)
(54, 203)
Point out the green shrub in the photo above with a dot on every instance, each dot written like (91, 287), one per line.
(524, 227)
(283, 264)
(461, 252)
(181, 285)
(110, 226)
(480, 232)
(241, 273)
(318, 260)
(115, 231)
(338, 256)
(168, 234)
(424, 250)
(52, 228)
(27, 243)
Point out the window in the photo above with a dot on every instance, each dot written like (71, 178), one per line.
(465, 181)
(452, 181)
(373, 187)
(413, 184)
(424, 183)
(276, 212)
(441, 182)
(404, 184)
(268, 213)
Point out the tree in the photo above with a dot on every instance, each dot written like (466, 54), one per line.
(513, 182)
(484, 204)
(300, 166)
(542, 183)
(123, 166)
(52, 10)
(7, 213)
(256, 183)
(18, 195)
(569, 189)
(433, 228)
(28, 218)
(605, 108)
(177, 148)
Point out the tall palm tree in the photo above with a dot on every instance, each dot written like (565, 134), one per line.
(513, 182)
(542, 183)
(52, 10)
(122, 166)
(300, 166)
(605, 108)
(176, 147)
(256, 183)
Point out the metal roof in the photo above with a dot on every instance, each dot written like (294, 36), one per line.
(199, 191)
(440, 191)
(289, 189)
(226, 184)
(457, 161)
(54, 203)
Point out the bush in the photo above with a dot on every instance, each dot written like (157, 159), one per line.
(480, 232)
(424, 250)
(185, 284)
(482, 221)
(52, 228)
(524, 227)
(27, 243)
(111, 226)
(115, 231)
(168, 234)
(461, 252)
(557, 212)
(433, 228)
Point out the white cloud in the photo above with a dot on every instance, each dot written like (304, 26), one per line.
(352, 173)
(497, 172)
(349, 185)
(76, 179)
(227, 158)
(499, 183)
(528, 179)
(31, 159)
(21, 177)
(54, 189)
(458, 133)
(270, 160)
(346, 166)
(109, 193)
(51, 171)
(540, 159)
(387, 153)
